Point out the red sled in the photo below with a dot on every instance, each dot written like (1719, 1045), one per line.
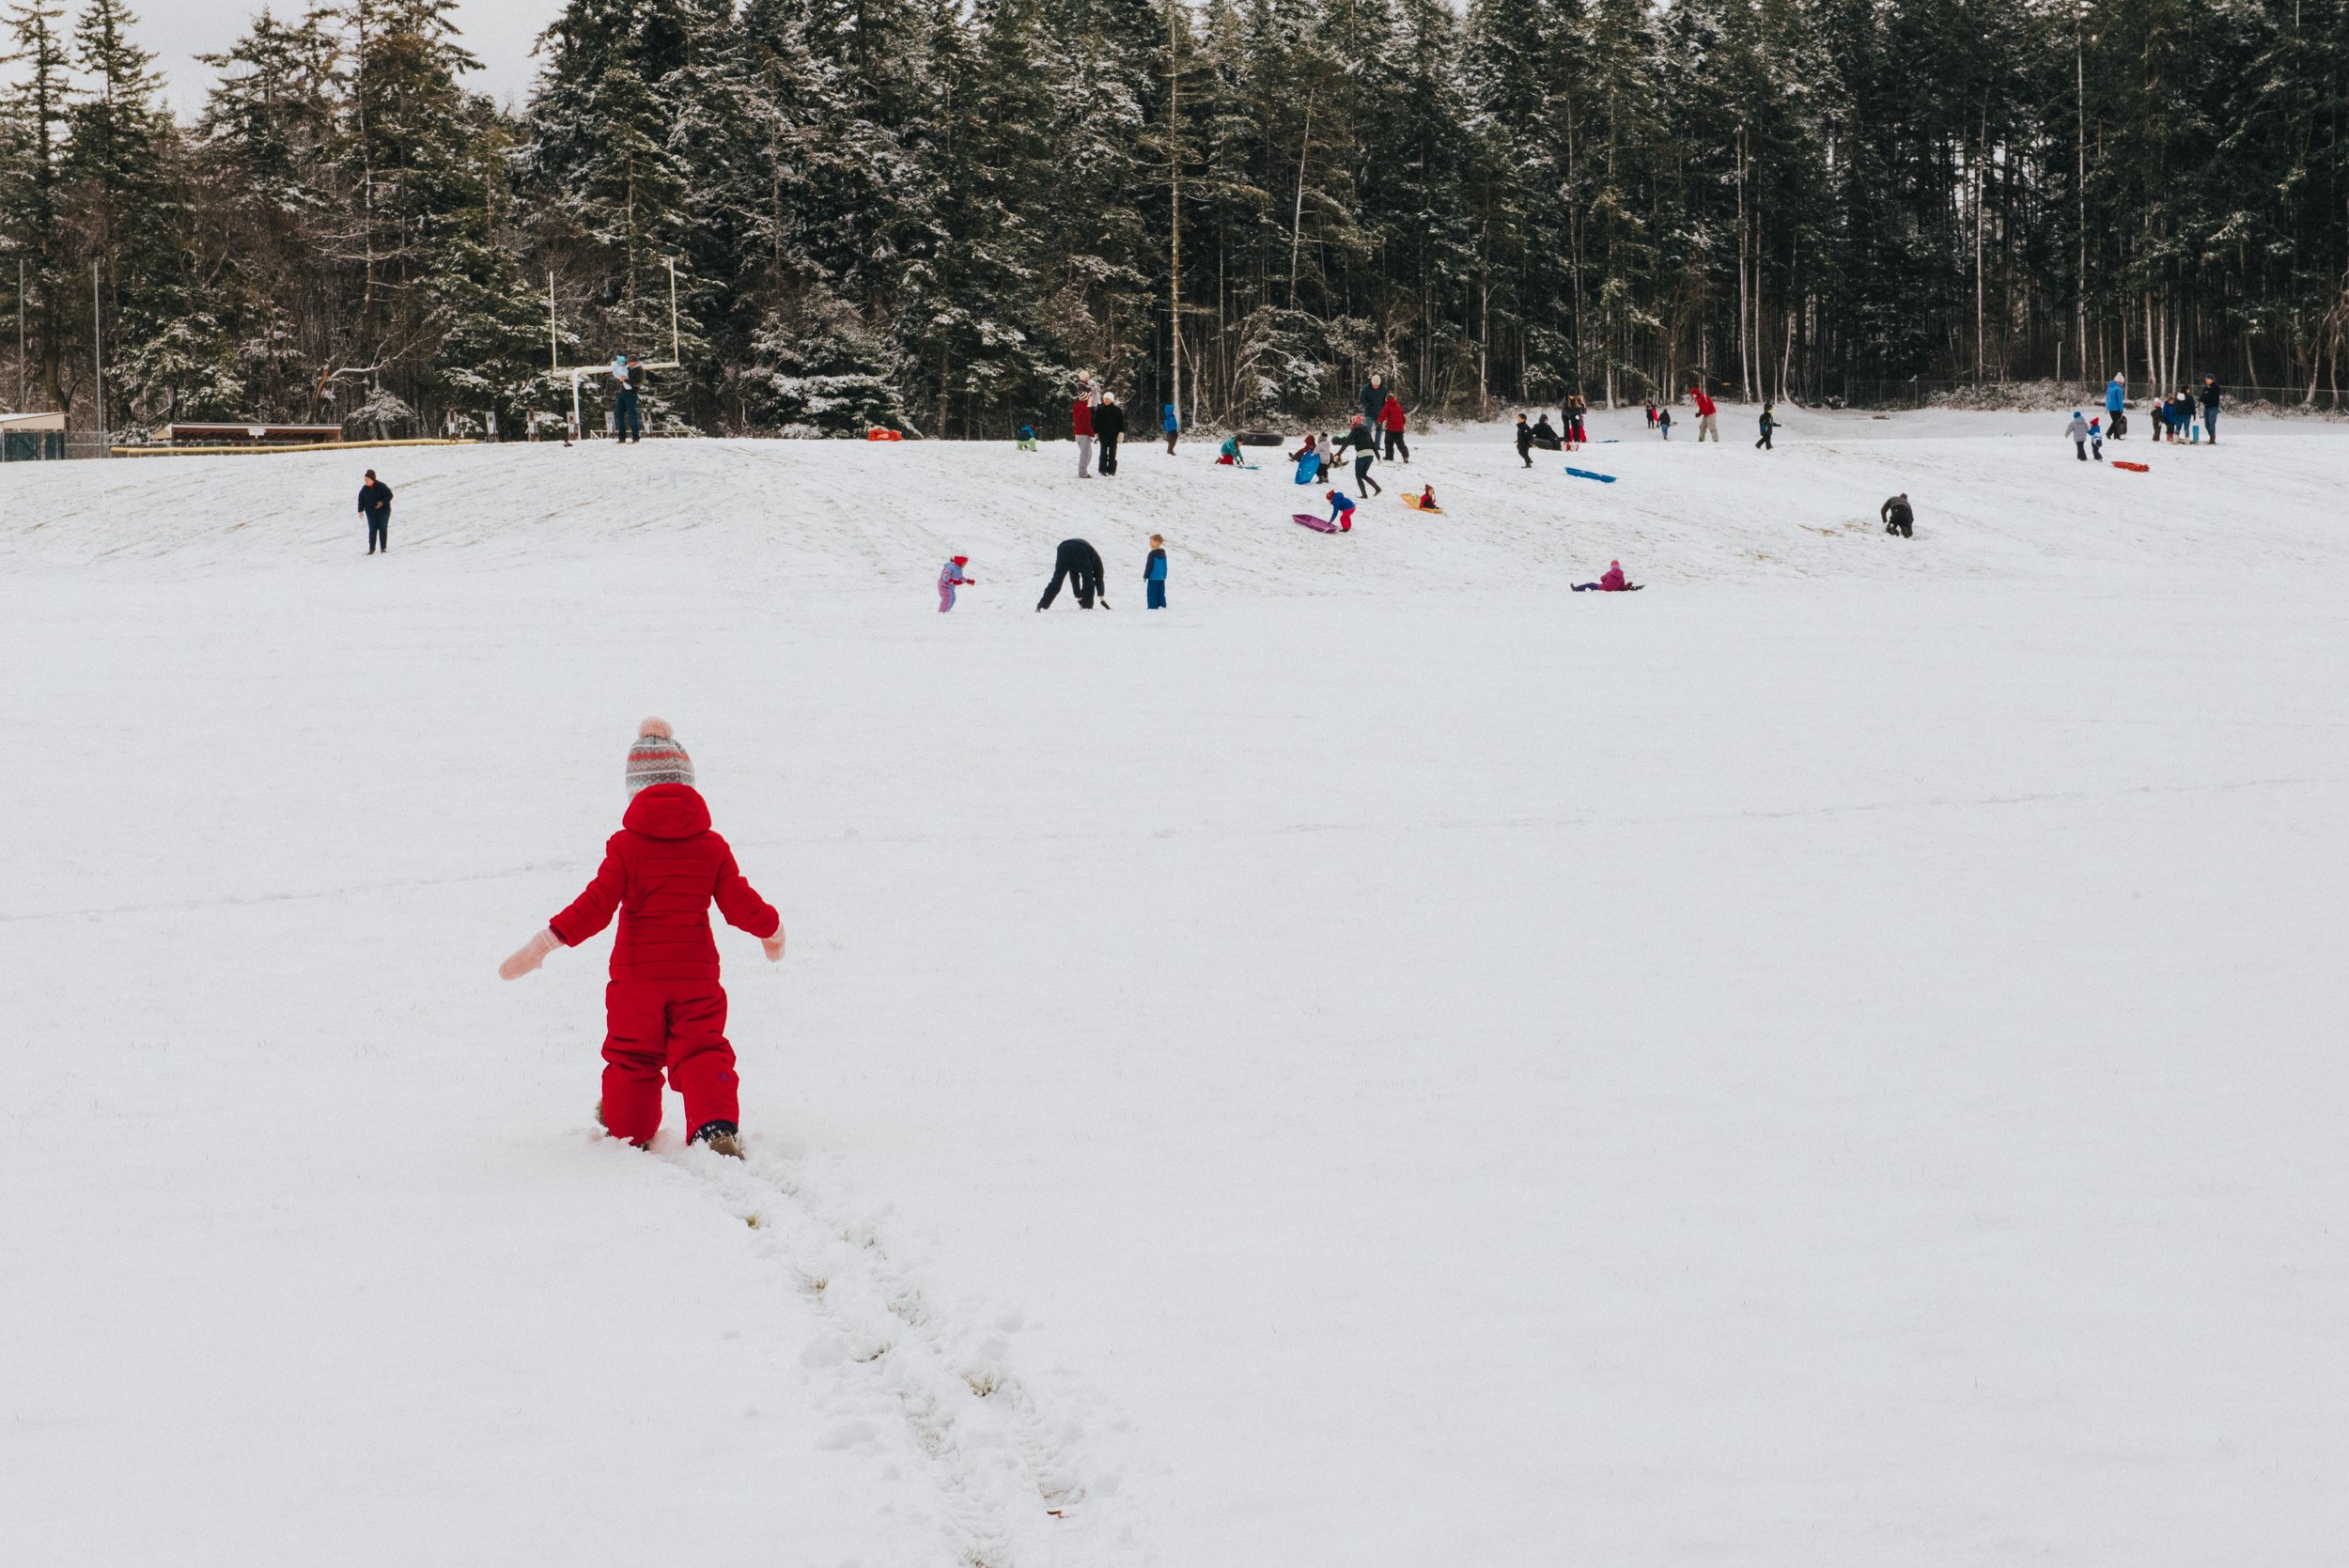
(2132, 468)
(876, 433)
(1307, 520)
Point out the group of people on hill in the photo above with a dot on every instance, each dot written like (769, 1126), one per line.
(2173, 416)
(1543, 436)
(1380, 433)
(1077, 565)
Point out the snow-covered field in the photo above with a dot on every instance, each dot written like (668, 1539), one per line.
(1837, 1059)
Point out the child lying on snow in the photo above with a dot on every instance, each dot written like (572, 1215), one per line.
(1613, 582)
(664, 1007)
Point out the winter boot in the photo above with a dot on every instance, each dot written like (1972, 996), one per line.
(720, 1136)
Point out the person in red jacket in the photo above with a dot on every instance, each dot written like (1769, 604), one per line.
(1080, 421)
(1707, 409)
(664, 1007)
(1392, 421)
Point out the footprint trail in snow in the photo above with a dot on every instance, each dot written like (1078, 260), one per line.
(1013, 1458)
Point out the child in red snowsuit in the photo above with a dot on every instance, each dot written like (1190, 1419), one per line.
(664, 1007)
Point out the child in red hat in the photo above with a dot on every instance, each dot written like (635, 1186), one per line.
(949, 578)
(664, 1007)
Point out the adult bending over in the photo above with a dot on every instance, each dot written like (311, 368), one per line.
(1078, 564)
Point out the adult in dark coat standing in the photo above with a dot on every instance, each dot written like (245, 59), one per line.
(1371, 397)
(375, 505)
(1109, 423)
(1080, 566)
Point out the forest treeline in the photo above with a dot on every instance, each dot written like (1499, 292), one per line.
(936, 213)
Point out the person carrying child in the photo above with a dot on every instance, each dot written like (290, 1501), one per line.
(949, 578)
(1154, 574)
(664, 1008)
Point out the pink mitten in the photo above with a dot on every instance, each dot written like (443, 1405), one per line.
(773, 946)
(531, 954)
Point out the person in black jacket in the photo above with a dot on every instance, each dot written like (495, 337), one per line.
(1365, 449)
(1524, 442)
(375, 503)
(1897, 517)
(1544, 436)
(1371, 397)
(2210, 410)
(1078, 564)
(1109, 423)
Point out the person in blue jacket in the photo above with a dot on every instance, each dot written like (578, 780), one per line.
(1342, 510)
(1173, 427)
(2115, 396)
(1154, 574)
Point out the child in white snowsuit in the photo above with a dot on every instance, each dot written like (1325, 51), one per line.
(950, 577)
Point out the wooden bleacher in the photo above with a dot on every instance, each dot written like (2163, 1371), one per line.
(251, 435)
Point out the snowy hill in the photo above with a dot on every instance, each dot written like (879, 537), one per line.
(1831, 1060)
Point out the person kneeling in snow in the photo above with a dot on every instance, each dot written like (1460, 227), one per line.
(950, 577)
(1341, 510)
(1613, 582)
(664, 1006)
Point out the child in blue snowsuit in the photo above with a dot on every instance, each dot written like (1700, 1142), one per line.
(1173, 427)
(1154, 573)
(1342, 511)
(950, 577)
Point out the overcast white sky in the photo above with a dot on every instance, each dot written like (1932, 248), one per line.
(177, 31)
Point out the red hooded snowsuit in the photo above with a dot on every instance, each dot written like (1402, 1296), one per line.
(664, 1006)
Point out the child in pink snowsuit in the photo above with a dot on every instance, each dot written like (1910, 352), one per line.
(664, 1008)
(948, 579)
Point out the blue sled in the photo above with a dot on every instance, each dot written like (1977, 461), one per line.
(1586, 474)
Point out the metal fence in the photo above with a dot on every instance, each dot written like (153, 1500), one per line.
(1919, 392)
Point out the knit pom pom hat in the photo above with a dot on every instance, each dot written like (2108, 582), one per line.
(657, 758)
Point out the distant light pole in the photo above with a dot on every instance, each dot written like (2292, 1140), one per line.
(97, 342)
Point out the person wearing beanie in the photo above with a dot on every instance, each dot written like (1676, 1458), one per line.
(949, 578)
(1610, 581)
(664, 1008)
(375, 505)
